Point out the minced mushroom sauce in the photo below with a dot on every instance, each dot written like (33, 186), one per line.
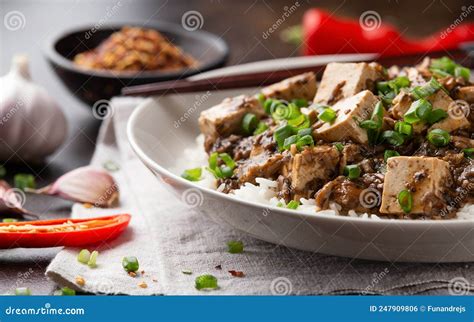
(395, 142)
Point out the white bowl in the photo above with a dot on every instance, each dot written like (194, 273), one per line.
(159, 143)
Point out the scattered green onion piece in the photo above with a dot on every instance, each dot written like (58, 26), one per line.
(192, 174)
(300, 122)
(66, 291)
(352, 171)
(300, 102)
(187, 272)
(227, 160)
(267, 105)
(436, 116)
(261, 98)
(282, 133)
(405, 200)
(92, 263)
(444, 63)
(304, 141)
(439, 72)
(227, 172)
(463, 72)
(213, 160)
(206, 282)
(339, 146)
(289, 141)
(249, 123)
(130, 264)
(390, 153)
(419, 110)
(404, 128)
(9, 220)
(328, 115)
(23, 181)
(280, 204)
(303, 132)
(421, 92)
(369, 125)
(235, 247)
(468, 153)
(3, 171)
(22, 291)
(224, 171)
(83, 256)
(393, 138)
(261, 127)
(293, 204)
(439, 137)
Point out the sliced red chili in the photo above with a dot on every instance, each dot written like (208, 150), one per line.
(62, 232)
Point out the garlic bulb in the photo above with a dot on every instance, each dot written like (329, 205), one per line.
(32, 125)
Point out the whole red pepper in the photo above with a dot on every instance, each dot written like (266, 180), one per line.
(326, 34)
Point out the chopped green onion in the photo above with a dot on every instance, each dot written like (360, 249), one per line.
(369, 125)
(227, 160)
(261, 98)
(339, 146)
(289, 141)
(293, 204)
(235, 247)
(439, 137)
(374, 125)
(282, 133)
(468, 153)
(463, 72)
(304, 141)
(227, 172)
(393, 138)
(66, 291)
(426, 90)
(436, 116)
(300, 102)
(249, 123)
(405, 200)
(83, 256)
(404, 128)
(328, 115)
(3, 171)
(192, 174)
(223, 171)
(285, 112)
(390, 153)
(206, 282)
(187, 272)
(417, 108)
(280, 204)
(92, 263)
(261, 127)
(22, 291)
(300, 122)
(130, 264)
(444, 63)
(389, 89)
(304, 132)
(439, 72)
(352, 171)
(9, 220)
(23, 181)
(267, 105)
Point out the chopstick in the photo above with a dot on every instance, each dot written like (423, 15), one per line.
(266, 78)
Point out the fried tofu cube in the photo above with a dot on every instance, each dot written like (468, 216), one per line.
(343, 80)
(349, 112)
(427, 178)
(226, 118)
(297, 87)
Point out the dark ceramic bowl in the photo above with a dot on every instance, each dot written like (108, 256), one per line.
(93, 85)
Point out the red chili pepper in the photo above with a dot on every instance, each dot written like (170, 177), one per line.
(326, 34)
(62, 232)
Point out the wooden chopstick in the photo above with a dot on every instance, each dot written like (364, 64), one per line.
(266, 78)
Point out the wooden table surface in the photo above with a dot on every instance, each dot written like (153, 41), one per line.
(240, 23)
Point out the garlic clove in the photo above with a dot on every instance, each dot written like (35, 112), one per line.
(12, 199)
(85, 185)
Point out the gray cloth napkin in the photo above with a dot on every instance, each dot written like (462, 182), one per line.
(168, 238)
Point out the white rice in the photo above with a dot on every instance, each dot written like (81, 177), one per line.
(264, 191)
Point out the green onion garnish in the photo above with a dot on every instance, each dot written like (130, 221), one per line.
(3, 171)
(300, 122)
(304, 132)
(328, 115)
(468, 153)
(83, 256)
(339, 146)
(439, 137)
(404, 128)
(304, 141)
(235, 246)
(463, 72)
(426, 90)
(66, 291)
(389, 89)
(192, 174)
(249, 123)
(23, 181)
(436, 116)
(374, 125)
(390, 153)
(300, 102)
(9, 220)
(261, 98)
(285, 112)
(282, 133)
(261, 127)
(222, 171)
(289, 141)
(445, 66)
(22, 291)
(293, 204)
(130, 264)
(267, 105)
(352, 171)
(405, 200)
(393, 138)
(206, 282)
(187, 272)
(92, 263)
(419, 110)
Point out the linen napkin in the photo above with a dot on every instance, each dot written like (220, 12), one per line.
(169, 238)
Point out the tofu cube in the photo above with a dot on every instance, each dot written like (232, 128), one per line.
(426, 177)
(300, 86)
(457, 112)
(343, 80)
(349, 112)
